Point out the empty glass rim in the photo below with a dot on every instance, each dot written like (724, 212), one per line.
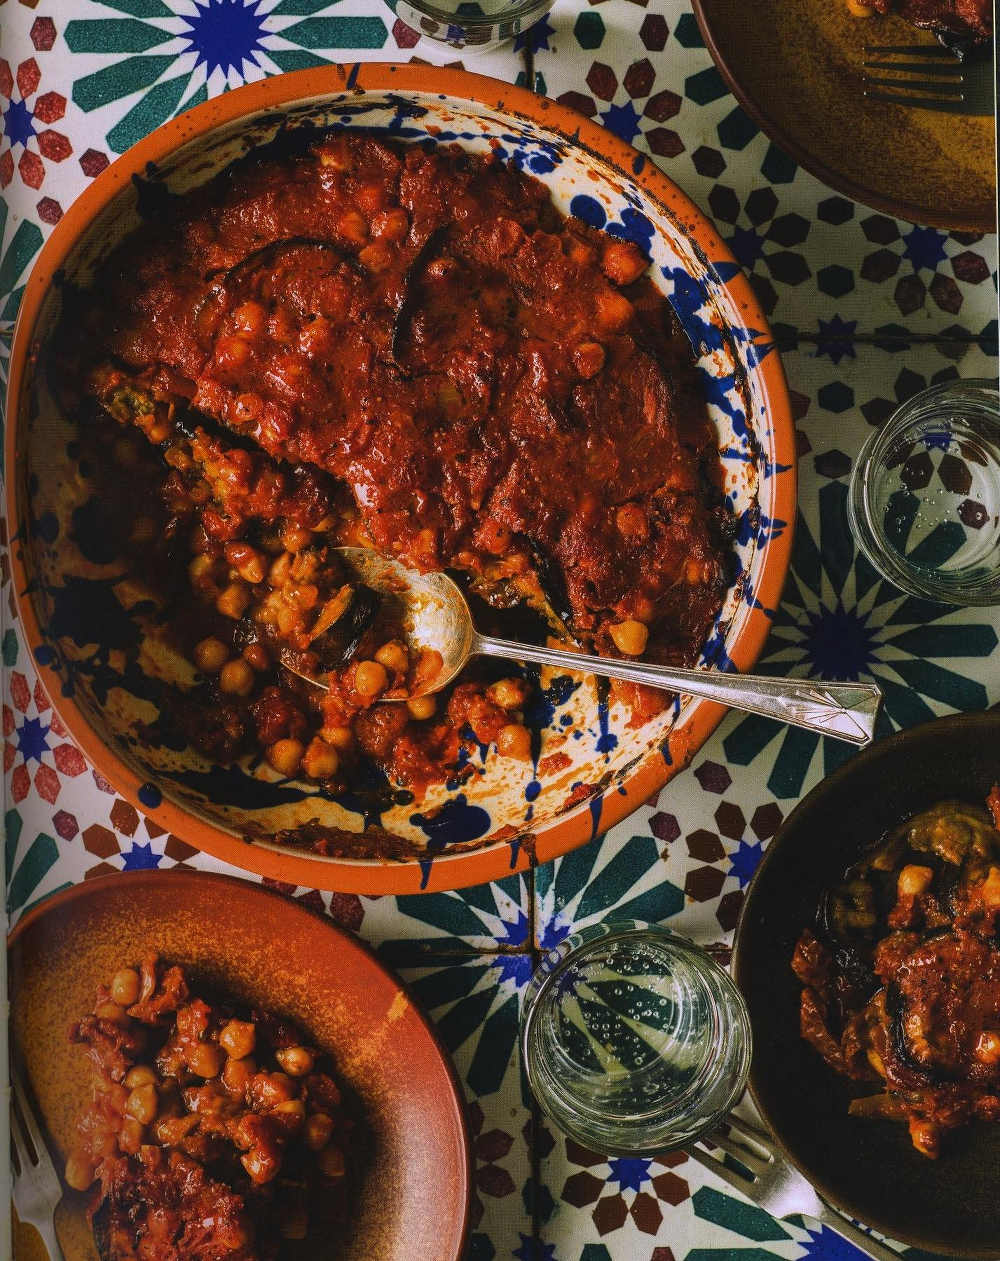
(981, 397)
(515, 12)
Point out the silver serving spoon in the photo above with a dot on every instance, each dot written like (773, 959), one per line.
(437, 616)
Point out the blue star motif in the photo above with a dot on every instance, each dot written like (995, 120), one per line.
(553, 932)
(839, 643)
(140, 858)
(31, 741)
(925, 248)
(744, 862)
(630, 1172)
(537, 38)
(514, 933)
(18, 123)
(534, 1250)
(747, 245)
(828, 1245)
(517, 968)
(835, 338)
(224, 34)
(623, 120)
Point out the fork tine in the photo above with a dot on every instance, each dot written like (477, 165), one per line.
(949, 106)
(919, 67)
(746, 1157)
(939, 87)
(748, 1131)
(735, 1180)
(23, 1106)
(19, 1139)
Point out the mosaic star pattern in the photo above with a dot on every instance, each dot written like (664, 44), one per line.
(866, 309)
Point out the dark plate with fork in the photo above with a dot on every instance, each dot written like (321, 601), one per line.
(867, 1168)
(920, 146)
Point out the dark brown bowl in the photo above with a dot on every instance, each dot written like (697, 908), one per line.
(868, 1169)
(262, 949)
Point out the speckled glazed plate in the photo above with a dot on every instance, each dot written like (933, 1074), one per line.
(796, 65)
(261, 948)
(96, 654)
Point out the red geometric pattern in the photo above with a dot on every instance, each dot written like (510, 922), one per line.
(30, 733)
(28, 125)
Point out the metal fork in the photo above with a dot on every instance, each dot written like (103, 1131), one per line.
(771, 1182)
(37, 1189)
(944, 83)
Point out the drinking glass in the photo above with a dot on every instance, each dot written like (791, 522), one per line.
(633, 1039)
(924, 497)
(471, 25)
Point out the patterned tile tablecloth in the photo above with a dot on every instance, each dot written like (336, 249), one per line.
(867, 310)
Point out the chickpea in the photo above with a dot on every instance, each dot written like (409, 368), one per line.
(79, 1171)
(130, 1136)
(237, 1074)
(613, 310)
(320, 760)
(588, 359)
(261, 1165)
(988, 1047)
(249, 317)
(257, 657)
(296, 537)
(293, 1110)
(158, 430)
(422, 707)
(267, 1090)
(236, 678)
(205, 1059)
(632, 522)
(353, 228)
(233, 600)
(514, 741)
(248, 562)
(141, 1075)
(394, 656)
(297, 1061)
(142, 1104)
(370, 678)
(622, 261)
(508, 693)
(238, 1039)
(231, 352)
(278, 573)
(375, 257)
(286, 756)
(125, 987)
(200, 571)
(210, 655)
(392, 225)
(913, 880)
(318, 1130)
(630, 637)
(113, 1012)
(340, 737)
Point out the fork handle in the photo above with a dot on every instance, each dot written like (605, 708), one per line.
(47, 1230)
(847, 1230)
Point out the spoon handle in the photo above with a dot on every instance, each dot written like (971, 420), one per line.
(846, 711)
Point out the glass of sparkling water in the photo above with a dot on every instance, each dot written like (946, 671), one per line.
(633, 1039)
(471, 25)
(924, 499)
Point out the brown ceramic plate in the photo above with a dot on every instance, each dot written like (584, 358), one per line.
(867, 1168)
(795, 66)
(262, 948)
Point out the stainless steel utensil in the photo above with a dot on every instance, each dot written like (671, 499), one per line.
(927, 76)
(37, 1189)
(774, 1184)
(439, 617)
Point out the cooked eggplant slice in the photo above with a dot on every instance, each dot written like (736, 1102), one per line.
(335, 645)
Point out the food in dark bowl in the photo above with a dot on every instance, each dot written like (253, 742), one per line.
(901, 973)
(958, 24)
(344, 341)
(212, 1132)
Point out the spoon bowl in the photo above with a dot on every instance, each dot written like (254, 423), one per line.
(435, 615)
